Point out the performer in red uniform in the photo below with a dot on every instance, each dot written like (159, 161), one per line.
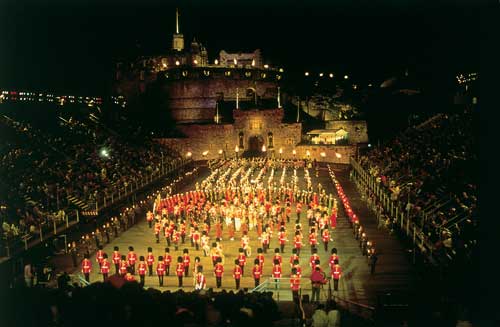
(218, 272)
(160, 269)
(132, 258)
(237, 273)
(123, 266)
(116, 259)
(86, 267)
(242, 260)
(150, 259)
(256, 272)
(142, 267)
(326, 237)
(276, 272)
(167, 259)
(99, 256)
(149, 218)
(297, 268)
(186, 260)
(293, 257)
(313, 241)
(180, 269)
(334, 257)
(282, 239)
(313, 258)
(297, 242)
(277, 256)
(105, 267)
(195, 238)
(295, 285)
(260, 257)
(200, 280)
(336, 273)
(157, 231)
(298, 209)
(214, 253)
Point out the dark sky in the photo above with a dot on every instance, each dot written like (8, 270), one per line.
(71, 48)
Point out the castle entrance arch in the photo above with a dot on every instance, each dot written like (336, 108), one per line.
(255, 143)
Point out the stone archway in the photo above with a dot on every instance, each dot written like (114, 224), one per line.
(255, 143)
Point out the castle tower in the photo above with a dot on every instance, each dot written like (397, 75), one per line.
(178, 38)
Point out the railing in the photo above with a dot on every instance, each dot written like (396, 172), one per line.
(401, 217)
(56, 226)
(119, 193)
(356, 308)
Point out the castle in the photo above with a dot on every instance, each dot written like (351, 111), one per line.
(232, 106)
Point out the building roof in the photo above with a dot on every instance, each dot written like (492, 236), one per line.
(325, 131)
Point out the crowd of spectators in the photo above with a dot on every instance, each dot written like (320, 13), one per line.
(431, 173)
(70, 162)
(105, 304)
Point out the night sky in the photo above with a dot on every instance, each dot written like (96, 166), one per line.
(71, 48)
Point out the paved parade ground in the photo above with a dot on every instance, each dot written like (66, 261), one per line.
(393, 270)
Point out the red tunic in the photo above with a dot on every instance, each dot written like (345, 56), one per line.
(333, 257)
(167, 259)
(123, 267)
(142, 268)
(186, 260)
(237, 272)
(312, 239)
(105, 267)
(297, 241)
(150, 259)
(277, 271)
(160, 268)
(180, 269)
(282, 237)
(295, 283)
(86, 266)
(116, 257)
(256, 272)
(132, 258)
(336, 272)
(219, 270)
(99, 256)
(326, 235)
(242, 259)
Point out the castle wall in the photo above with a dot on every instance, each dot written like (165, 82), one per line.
(253, 123)
(194, 100)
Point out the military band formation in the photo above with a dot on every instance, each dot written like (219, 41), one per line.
(240, 200)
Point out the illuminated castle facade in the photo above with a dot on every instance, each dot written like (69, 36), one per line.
(193, 92)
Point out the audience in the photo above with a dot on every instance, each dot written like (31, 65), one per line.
(431, 173)
(73, 161)
(103, 304)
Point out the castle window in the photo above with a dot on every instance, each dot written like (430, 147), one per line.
(240, 140)
(248, 74)
(206, 72)
(270, 140)
(263, 75)
(227, 73)
(184, 73)
(278, 77)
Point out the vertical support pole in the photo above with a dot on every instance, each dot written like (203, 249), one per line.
(55, 226)
(67, 220)
(77, 216)
(41, 234)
